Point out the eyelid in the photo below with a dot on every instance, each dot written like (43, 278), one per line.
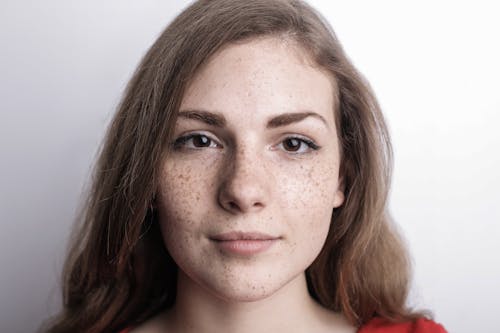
(181, 139)
(311, 144)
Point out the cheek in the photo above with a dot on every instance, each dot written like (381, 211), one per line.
(184, 185)
(310, 188)
(308, 198)
(181, 188)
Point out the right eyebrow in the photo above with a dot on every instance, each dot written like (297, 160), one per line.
(209, 118)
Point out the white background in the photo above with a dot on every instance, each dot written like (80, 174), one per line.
(433, 64)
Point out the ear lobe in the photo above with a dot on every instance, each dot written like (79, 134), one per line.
(338, 199)
(339, 196)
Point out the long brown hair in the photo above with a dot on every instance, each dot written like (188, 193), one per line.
(118, 272)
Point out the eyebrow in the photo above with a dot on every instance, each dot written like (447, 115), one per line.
(209, 118)
(218, 120)
(294, 117)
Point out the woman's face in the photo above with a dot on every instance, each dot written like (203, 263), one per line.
(247, 192)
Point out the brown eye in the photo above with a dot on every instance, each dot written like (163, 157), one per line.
(195, 141)
(201, 141)
(292, 144)
(296, 145)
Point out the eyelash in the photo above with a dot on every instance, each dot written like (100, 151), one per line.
(311, 145)
(181, 142)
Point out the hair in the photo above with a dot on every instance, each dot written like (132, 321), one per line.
(118, 272)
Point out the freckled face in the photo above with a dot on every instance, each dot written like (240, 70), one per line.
(255, 156)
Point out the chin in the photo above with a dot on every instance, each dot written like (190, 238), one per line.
(250, 289)
(251, 294)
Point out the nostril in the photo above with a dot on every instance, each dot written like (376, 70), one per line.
(239, 194)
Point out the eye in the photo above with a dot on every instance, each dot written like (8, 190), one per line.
(298, 145)
(195, 141)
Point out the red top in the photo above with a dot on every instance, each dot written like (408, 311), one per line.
(421, 325)
(379, 325)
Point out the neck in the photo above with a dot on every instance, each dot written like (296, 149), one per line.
(290, 309)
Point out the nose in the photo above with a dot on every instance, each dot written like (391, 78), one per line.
(244, 185)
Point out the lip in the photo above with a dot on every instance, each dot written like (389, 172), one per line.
(244, 243)
(240, 235)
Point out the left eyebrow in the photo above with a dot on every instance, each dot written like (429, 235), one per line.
(290, 118)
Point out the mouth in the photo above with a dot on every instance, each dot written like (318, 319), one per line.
(242, 236)
(244, 243)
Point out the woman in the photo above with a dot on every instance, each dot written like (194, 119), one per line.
(242, 186)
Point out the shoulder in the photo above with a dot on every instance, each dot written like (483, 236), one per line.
(421, 325)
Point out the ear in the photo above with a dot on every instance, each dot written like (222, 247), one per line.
(339, 196)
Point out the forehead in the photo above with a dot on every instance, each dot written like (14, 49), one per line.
(261, 77)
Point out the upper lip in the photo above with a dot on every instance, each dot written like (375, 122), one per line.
(240, 235)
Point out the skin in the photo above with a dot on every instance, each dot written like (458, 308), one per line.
(255, 150)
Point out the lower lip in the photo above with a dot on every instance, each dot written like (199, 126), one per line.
(245, 247)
